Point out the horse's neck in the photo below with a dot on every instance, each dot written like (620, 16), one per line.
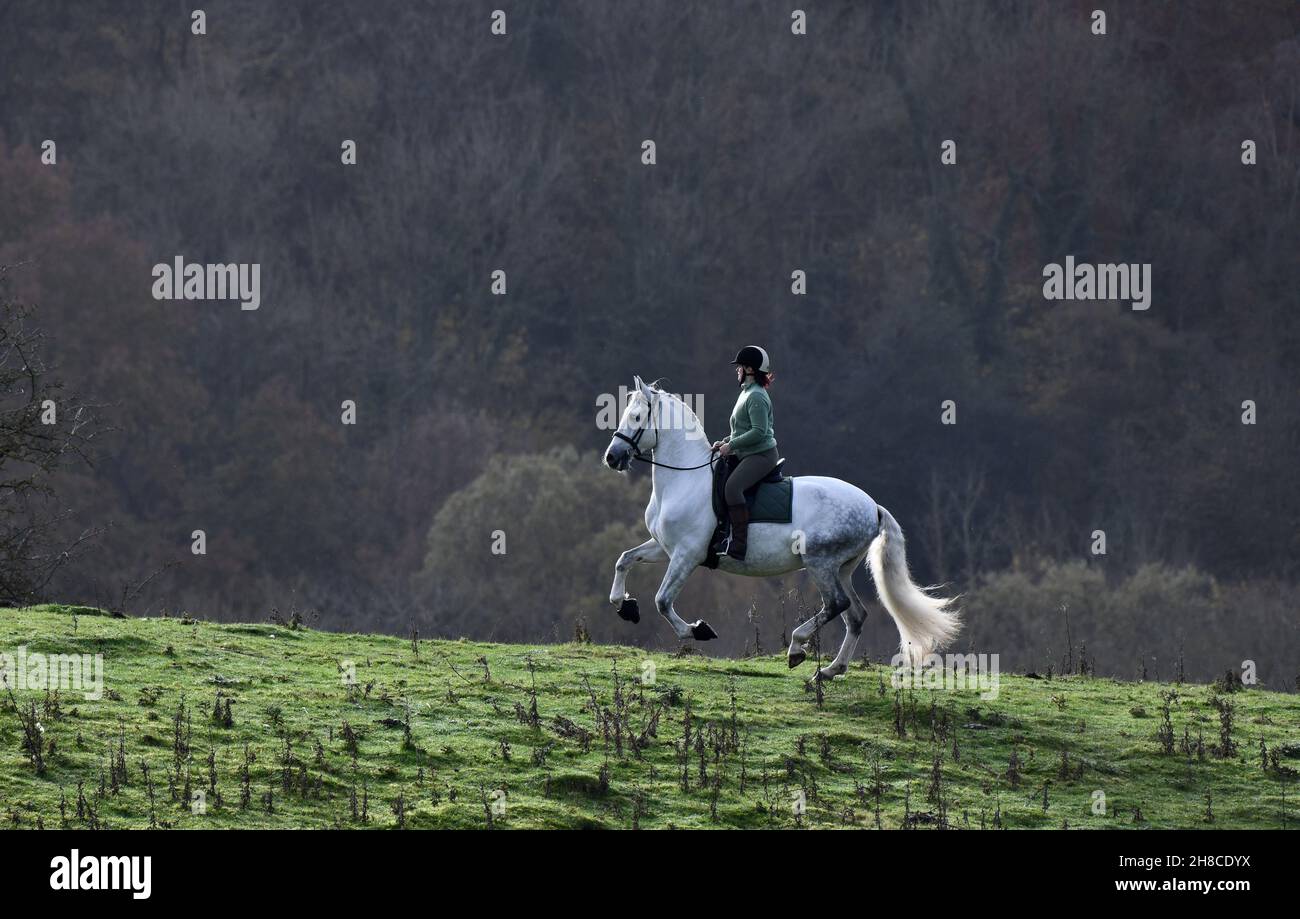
(676, 448)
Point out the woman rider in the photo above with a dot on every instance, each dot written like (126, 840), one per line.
(752, 441)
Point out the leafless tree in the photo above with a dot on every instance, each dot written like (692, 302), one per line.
(42, 430)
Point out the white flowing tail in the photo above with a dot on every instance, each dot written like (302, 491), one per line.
(925, 623)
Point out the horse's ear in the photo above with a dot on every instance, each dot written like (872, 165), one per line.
(640, 384)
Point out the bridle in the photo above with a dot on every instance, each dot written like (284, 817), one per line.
(634, 442)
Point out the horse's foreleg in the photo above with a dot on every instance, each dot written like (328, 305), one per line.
(680, 567)
(648, 551)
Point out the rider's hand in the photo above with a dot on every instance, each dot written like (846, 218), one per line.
(716, 445)
(724, 448)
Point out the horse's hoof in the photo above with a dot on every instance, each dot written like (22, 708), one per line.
(825, 675)
(700, 631)
(795, 658)
(629, 610)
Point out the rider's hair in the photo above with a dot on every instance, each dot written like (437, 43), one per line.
(763, 379)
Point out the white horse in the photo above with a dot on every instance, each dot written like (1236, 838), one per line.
(836, 526)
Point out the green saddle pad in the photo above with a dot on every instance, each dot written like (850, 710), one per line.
(772, 502)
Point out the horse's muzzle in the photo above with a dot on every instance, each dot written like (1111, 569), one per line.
(618, 460)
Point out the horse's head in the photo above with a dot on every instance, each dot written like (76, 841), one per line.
(636, 432)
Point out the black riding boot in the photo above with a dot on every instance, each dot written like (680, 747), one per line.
(739, 542)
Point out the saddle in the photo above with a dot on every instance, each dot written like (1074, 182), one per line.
(770, 500)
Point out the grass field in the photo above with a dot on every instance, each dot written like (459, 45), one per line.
(268, 724)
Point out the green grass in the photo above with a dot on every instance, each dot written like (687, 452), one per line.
(469, 734)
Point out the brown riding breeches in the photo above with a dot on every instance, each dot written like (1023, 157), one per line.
(748, 472)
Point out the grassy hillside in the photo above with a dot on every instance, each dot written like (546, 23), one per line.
(429, 734)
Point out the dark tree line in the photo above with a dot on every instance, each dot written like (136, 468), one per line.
(775, 153)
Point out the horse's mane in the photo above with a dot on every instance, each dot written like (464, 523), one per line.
(657, 387)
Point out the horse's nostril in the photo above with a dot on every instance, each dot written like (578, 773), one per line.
(609, 459)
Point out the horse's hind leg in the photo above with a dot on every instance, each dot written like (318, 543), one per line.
(834, 602)
(854, 617)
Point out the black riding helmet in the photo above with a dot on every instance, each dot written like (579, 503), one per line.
(753, 356)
